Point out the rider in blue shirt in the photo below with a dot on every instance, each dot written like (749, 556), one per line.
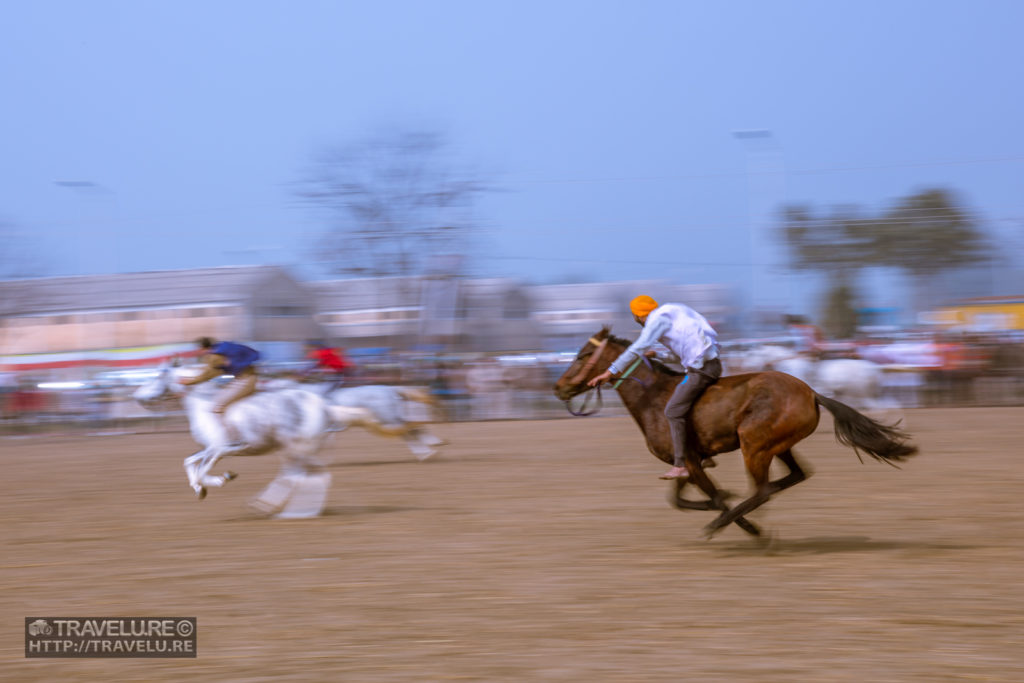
(228, 358)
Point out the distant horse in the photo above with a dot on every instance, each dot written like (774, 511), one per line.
(764, 414)
(293, 421)
(379, 408)
(855, 381)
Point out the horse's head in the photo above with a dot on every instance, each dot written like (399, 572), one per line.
(592, 359)
(161, 389)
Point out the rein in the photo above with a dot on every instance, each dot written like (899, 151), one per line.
(628, 372)
(583, 412)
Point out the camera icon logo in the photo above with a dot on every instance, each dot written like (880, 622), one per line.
(40, 627)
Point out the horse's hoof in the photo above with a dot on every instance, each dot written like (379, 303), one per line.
(708, 532)
(201, 492)
(228, 476)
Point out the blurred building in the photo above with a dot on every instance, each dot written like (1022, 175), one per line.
(429, 312)
(73, 327)
(109, 321)
(568, 314)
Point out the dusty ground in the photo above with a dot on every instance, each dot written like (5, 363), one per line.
(529, 551)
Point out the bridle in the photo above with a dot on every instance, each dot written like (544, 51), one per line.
(581, 376)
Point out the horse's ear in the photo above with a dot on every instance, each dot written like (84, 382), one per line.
(175, 361)
(606, 331)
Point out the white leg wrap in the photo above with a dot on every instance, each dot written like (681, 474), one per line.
(294, 496)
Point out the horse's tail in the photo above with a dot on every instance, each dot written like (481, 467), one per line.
(886, 443)
(417, 394)
(434, 410)
(350, 415)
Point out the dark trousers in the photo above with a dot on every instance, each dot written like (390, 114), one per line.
(683, 398)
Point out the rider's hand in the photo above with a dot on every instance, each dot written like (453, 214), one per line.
(600, 379)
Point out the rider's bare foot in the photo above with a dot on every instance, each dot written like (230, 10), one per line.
(675, 473)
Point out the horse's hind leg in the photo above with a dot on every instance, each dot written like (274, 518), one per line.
(430, 439)
(758, 466)
(796, 473)
(418, 445)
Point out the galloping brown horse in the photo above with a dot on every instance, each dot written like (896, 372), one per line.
(764, 414)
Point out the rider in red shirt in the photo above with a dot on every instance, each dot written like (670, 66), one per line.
(327, 361)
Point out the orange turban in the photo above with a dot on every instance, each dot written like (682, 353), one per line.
(642, 305)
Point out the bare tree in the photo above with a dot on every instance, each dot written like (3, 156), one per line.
(394, 201)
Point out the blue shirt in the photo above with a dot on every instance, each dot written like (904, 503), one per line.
(239, 356)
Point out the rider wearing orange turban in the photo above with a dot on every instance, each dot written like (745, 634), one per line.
(642, 305)
(691, 338)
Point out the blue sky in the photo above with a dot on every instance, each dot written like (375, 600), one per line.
(607, 124)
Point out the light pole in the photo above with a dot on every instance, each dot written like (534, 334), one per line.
(766, 178)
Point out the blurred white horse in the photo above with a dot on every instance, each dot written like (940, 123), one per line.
(854, 381)
(293, 421)
(379, 408)
(755, 359)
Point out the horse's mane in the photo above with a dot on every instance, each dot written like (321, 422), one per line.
(657, 364)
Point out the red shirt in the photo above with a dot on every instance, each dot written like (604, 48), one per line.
(329, 359)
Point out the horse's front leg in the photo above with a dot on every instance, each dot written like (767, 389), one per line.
(680, 502)
(763, 489)
(217, 480)
(191, 465)
(716, 498)
(699, 477)
(201, 470)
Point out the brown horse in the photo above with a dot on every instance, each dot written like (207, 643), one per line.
(764, 414)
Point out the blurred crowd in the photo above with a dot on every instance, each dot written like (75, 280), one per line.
(921, 368)
(468, 387)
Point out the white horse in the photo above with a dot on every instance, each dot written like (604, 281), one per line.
(293, 421)
(756, 358)
(379, 408)
(854, 381)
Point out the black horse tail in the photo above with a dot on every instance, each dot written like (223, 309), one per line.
(885, 443)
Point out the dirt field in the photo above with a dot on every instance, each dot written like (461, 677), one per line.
(530, 551)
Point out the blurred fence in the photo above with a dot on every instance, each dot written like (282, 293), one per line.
(480, 390)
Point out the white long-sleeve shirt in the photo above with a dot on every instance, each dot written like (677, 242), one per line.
(682, 330)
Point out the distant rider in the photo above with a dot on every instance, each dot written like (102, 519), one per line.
(228, 358)
(327, 361)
